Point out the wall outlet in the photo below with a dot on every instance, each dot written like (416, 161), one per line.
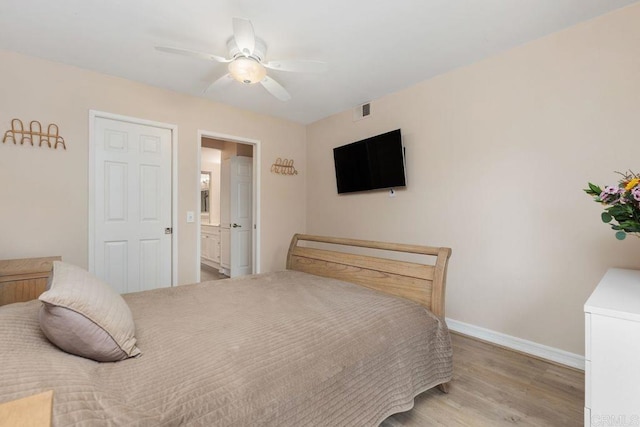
(191, 216)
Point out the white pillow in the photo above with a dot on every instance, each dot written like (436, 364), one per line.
(84, 316)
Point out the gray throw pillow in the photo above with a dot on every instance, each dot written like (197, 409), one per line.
(84, 316)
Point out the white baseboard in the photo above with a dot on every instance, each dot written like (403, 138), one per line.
(214, 265)
(539, 350)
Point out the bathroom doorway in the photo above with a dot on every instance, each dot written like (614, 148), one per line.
(228, 232)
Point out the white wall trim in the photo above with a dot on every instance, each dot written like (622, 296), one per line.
(256, 194)
(93, 114)
(539, 350)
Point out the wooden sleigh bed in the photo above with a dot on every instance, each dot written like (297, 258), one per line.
(298, 347)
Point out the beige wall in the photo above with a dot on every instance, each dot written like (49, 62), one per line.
(497, 155)
(43, 193)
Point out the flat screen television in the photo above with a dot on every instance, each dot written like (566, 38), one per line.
(370, 164)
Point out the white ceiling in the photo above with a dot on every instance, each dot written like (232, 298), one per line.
(372, 47)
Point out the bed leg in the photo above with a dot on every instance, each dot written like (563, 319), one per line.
(444, 387)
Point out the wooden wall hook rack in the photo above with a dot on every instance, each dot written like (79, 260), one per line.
(284, 167)
(35, 132)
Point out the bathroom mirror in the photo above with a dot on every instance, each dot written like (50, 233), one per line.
(205, 180)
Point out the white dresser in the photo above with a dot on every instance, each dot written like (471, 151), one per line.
(612, 351)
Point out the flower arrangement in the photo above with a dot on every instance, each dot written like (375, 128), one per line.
(622, 203)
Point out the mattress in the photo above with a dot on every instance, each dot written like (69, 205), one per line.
(276, 349)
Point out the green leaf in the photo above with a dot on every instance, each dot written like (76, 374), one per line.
(594, 188)
(628, 224)
(620, 212)
(620, 235)
(606, 217)
(617, 210)
(630, 227)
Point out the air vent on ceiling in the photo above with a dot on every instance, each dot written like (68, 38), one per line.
(362, 111)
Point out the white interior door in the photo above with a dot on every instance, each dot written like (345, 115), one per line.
(132, 212)
(225, 217)
(241, 215)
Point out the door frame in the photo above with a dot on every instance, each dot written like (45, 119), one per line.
(95, 114)
(255, 237)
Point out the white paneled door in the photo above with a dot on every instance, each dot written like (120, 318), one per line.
(225, 217)
(236, 216)
(132, 204)
(241, 226)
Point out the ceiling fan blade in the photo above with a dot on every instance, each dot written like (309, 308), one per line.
(298, 65)
(220, 83)
(244, 35)
(192, 53)
(275, 89)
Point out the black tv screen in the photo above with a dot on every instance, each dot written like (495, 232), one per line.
(370, 164)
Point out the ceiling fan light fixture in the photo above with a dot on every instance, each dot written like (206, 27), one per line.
(247, 70)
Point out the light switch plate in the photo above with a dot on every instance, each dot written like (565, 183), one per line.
(190, 216)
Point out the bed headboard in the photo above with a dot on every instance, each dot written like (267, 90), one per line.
(24, 279)
(422, 283)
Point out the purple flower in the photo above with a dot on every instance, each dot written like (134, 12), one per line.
(636, 193)
(611, 189)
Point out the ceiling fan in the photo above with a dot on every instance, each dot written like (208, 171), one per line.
(246, 61)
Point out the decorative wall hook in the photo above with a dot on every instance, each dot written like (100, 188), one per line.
(35, 132)
(284, 167)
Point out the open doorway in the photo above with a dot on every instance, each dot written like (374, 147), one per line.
(228, 187)
(210, 250)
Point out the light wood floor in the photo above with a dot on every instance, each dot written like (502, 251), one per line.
(207, 273)
(493, 386)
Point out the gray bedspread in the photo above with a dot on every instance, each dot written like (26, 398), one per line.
(276, 349)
